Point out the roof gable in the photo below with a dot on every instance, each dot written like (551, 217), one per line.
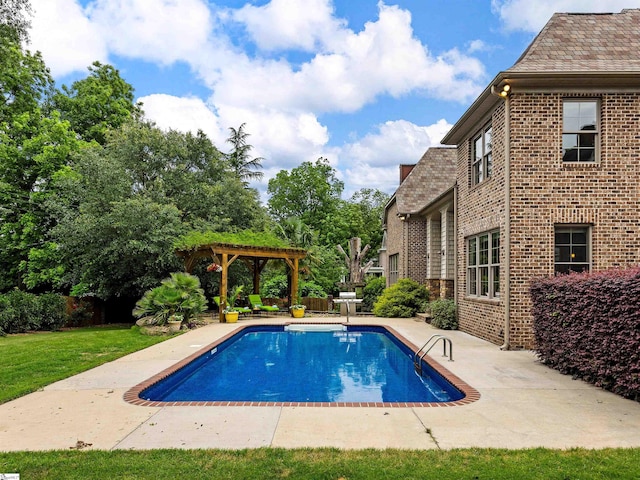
(432, 176)
(585, 42)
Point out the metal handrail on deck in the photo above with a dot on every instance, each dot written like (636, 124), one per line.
(423, 351)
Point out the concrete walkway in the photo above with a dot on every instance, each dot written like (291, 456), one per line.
(522, 404)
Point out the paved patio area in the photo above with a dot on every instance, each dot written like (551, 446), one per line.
(522, 404)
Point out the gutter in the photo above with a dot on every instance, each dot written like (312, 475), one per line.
(507, 220)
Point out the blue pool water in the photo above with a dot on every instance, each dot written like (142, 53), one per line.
(271, 364)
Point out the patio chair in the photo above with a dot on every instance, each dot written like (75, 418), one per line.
(243, 310)
(256, 303)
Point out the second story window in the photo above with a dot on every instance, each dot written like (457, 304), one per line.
(481, 165)
(579, 130)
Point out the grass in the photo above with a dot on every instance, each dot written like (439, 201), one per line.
(29, 362)
(330, 464)
(32, 361)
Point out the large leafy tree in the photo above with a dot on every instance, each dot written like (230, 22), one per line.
(122, 206)
(310, 192)
(245, 167)
(34, 144)
(100, 102)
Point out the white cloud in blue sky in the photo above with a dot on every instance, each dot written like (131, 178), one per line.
(366, 84)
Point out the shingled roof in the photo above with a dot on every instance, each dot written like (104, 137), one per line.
(433, 175)
(586, 51)
(581, 42)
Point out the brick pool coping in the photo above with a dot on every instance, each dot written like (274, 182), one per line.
(132, 396)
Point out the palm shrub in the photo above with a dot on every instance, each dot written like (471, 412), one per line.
(402, 299)
(180, 294)
(443, 314)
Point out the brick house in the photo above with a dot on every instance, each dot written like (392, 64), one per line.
(419, 223)
(548, 171)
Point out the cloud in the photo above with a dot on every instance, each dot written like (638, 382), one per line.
(385, 58)
(163, 31)
(372, 161)
(279, 95)
(291, 24)
(396, 142)
(186, 114)
(529, 16)
(65, 36)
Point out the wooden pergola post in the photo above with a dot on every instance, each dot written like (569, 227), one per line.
(260, 256)
(223, 285)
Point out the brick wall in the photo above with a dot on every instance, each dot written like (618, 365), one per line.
(416, 261)
(481, 209)
(395, 239)
(544, 193)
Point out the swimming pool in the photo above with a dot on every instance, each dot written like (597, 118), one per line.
(304, 364)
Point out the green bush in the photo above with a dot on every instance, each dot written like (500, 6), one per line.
(277, 287)
(24, 312)
(402, 299)
(443, 314)
(371, 291)
(53, 313)
(179, 295)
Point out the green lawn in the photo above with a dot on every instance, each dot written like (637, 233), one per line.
(330, 464)
(32, 361)
(29, 362)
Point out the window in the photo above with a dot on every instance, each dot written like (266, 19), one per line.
(579, 130)
(481, 156)
(393, 269)
(483, 265)
(571, 249)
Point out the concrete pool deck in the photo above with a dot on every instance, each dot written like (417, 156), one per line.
(522, 404)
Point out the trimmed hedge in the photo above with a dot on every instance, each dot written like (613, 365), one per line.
(402, 299)
(24, 312)
(443, 314)
(588, 326)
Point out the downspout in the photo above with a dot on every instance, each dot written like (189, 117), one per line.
(455, 243)
(507, 219)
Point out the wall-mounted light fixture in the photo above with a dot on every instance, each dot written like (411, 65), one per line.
(506, 88)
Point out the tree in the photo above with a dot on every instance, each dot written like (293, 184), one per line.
(34, 144)
(98, 103)
(310, 192)
(245, 167)
(122, 206)
(13, 21)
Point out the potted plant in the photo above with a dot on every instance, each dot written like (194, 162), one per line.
(297, 309)
(230, 311)
(175, 322)
(177, 299)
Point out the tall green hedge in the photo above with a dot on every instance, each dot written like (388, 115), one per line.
(23, 312)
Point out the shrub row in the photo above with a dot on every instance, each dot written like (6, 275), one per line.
(588, 326)
(23, 312)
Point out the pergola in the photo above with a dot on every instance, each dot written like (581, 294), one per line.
(224, 254)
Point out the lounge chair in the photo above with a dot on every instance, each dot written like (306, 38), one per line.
(256, 303)
(243, 310)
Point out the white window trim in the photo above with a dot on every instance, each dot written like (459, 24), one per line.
(484, 159)
(491, 293)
